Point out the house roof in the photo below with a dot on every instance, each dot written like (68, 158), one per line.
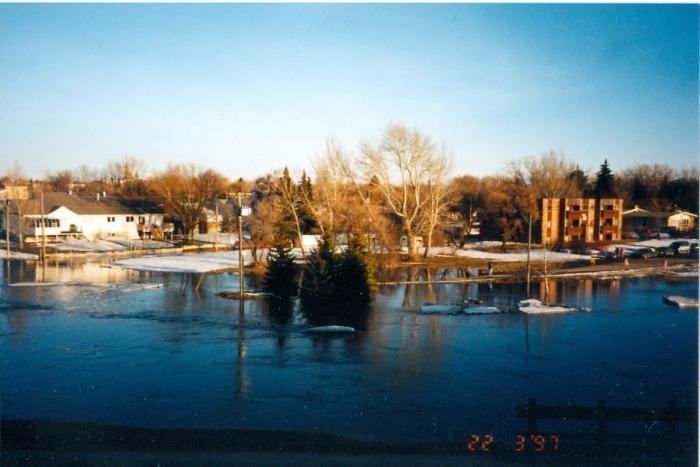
(84, 205)
(643, 213)
(686, 213)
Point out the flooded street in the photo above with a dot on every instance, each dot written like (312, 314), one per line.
(118, 352)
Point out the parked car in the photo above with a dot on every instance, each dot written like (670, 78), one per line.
(680, 247)
(645, 253)
(664, 251)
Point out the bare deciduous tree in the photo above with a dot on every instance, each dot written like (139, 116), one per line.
(186, 191)
(262, 225)
(332, 188)
(126, 170)
(15, 173)
(549, 176)
(289, 198)
(86, 174)
(437, 193)
(61, 180)
(402, 166)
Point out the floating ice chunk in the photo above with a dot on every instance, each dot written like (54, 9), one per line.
(681, 302)
(481, 310)
(440, 308)
(331, 330)
(534, 306)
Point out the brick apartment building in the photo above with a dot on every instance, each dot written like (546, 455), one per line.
(567, 220)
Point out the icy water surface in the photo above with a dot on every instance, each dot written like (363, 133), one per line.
(169, 357)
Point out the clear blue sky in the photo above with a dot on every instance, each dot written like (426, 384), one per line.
(250, 88)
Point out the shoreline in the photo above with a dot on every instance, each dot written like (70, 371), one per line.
(678, 268)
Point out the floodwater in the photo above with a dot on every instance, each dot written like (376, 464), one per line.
(172, 356)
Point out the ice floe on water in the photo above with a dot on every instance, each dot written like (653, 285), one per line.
(331, 330)
(534, 306)
(103, 246)
(123, 287)
(18, 255)
(680, 301)
(193, 263)
(454, 309)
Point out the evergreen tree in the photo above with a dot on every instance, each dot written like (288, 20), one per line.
(338, 286)
(280, 276)
(305, 195)
(605, 182)
(355, 281)
(580, 179)
(317, 289)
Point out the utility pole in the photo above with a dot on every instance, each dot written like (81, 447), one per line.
(7, 229)
(43, 232)
(529, 245)
(241, 212)
(7, 239)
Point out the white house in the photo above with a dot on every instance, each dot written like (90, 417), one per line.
(69, 215)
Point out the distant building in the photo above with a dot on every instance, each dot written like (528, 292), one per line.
(68, 215)
(681, 221)
(590, 220)
(644, 224)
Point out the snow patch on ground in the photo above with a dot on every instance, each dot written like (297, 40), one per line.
(221, 238)
(200, 262)
(482, 244)
(535, 255)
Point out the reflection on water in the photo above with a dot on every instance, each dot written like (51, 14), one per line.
(173, 357)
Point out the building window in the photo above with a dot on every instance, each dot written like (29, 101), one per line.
(48, 223)
(609, 207)
(130, 218)
(575, 223)
(110, 219)
(577, 207)
(142, 219)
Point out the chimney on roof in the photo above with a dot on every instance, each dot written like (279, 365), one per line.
(104, 194)
(70, 192)
(97, 196)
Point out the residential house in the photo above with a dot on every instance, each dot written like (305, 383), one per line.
(69, 215)
(644, 224)
(681, 221)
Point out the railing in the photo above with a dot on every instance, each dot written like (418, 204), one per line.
(670, 415)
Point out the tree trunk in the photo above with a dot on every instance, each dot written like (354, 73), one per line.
(429, 242)
(298, 226)
(411, 244)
